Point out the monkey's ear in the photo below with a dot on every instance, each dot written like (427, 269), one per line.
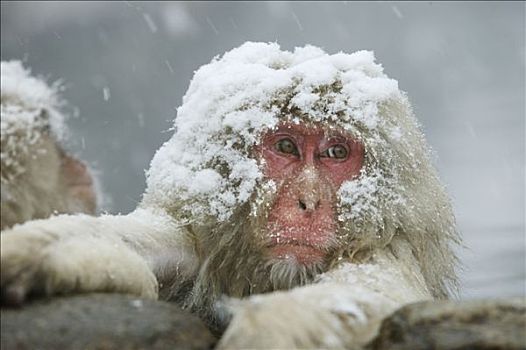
(43, 121)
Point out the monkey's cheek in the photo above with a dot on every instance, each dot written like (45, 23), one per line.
(301, 254)
(14, 296)
(86, 195)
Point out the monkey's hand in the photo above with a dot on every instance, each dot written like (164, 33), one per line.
(297, 319)
(342, 311)
(69, 254)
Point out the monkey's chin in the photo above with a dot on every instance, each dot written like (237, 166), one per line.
(301, 254)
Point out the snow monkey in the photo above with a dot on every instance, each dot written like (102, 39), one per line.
(38, 177)
(296, 204)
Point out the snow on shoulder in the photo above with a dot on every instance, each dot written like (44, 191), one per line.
(208, 168)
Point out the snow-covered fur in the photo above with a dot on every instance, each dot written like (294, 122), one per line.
(200, 224)
(30, 109)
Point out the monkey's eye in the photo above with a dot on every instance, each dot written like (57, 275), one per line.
(286, 146)
(336, 151)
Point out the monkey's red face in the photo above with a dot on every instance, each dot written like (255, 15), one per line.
(309, 165)
(79, 182)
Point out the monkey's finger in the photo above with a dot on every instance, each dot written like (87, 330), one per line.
(14, 295)
(16, 283)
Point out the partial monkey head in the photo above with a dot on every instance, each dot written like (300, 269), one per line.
(38, 177)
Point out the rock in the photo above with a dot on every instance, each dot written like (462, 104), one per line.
(455, 325)
(102, 321)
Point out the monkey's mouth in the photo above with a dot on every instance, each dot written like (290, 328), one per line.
(304, 245)
(75, 185)
(84, 180)
(302, 253)
(81, 187)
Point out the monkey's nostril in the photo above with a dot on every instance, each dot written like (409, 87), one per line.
(302, 205)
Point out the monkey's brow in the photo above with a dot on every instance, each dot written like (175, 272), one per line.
(332, 133)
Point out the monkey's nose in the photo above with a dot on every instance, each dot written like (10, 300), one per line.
(308, 205)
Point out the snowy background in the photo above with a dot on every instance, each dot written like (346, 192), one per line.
(127, 65)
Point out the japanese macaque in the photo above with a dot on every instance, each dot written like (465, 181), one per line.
(38, 177)
(296, 205)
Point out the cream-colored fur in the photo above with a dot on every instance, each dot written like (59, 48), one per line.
(80, 253)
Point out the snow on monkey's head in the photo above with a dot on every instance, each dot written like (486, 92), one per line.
(208, 171)
(30, 108)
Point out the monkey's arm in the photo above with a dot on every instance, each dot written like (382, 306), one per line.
(343, 310)
(80, 253)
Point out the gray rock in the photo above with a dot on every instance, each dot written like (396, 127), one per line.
(497, 324)
(102, 321)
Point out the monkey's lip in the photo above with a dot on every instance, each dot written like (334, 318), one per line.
(82, 181)
(302, 253)
(80, 184)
